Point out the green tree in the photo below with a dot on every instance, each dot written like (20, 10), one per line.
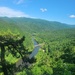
(14, 44)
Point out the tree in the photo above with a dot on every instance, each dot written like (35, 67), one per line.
(14, 44)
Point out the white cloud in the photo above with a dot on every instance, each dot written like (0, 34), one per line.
(72, 16)
(20, 1)
(8, 12)
(43, 9)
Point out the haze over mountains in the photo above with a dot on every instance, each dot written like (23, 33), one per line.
(31, 25)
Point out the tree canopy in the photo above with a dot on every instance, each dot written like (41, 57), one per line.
(13, 44)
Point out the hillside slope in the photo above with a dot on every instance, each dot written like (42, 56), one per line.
(31, 25)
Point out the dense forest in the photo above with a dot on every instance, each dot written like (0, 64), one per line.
(56, 55)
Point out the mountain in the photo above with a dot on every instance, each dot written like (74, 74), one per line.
(57, 45)
(72, 26)
(31, 25)
(8, 24)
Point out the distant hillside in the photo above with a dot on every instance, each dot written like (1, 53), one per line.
(8, 24)
(72, 26)
(30, 25)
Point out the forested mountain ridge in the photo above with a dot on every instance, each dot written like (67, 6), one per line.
(31, 25)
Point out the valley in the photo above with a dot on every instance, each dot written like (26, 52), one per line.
(57, 54)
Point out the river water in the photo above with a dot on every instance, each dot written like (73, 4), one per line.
(35, 50)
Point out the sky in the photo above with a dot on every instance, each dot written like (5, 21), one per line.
(53, 10)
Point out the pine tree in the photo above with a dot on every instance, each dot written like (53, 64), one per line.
(14, 44)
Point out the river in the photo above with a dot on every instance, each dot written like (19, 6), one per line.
(20, 64)
(35, 50)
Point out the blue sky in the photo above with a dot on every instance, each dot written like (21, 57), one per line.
(52, 10)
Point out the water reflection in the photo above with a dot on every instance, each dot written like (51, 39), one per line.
(36, 48)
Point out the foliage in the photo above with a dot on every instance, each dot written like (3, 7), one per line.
(56, 56)
(13, 44)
